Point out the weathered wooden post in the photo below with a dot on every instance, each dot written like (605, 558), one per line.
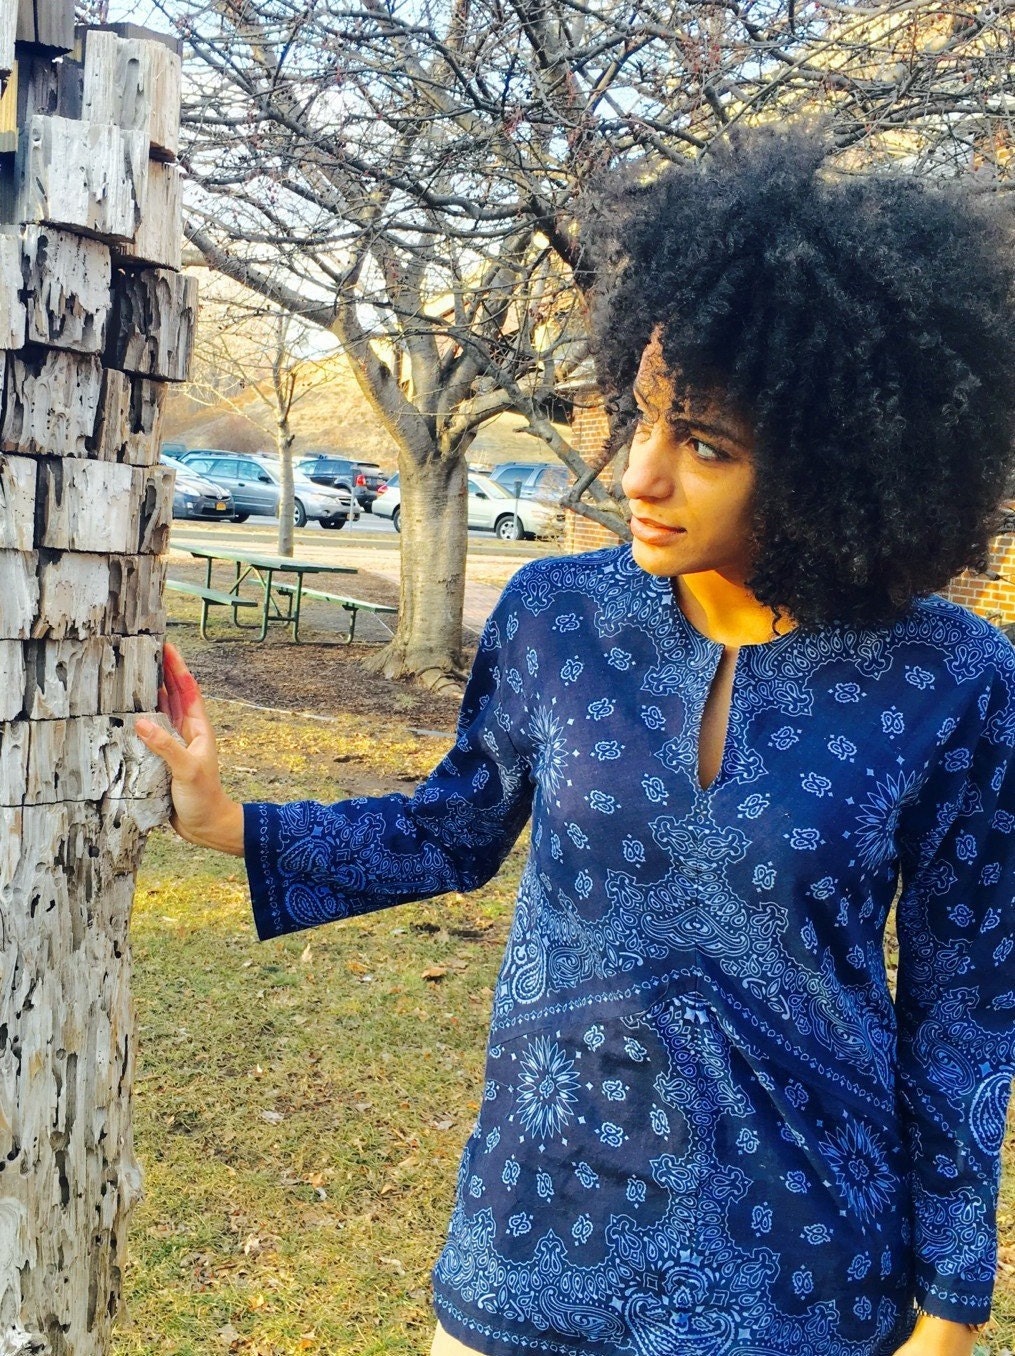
(94, 318)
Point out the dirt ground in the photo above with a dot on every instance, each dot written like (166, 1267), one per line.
(322, 675)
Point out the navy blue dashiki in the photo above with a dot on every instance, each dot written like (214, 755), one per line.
(706, 1129)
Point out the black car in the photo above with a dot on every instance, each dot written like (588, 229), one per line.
(364, 478)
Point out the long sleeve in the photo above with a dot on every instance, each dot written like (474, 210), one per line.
(956, 996)
(309, 863)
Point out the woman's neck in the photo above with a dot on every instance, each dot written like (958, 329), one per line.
(725, 610)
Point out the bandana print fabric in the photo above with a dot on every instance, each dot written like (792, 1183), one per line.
(706, 1127)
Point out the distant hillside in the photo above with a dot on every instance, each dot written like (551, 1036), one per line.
(332, 418)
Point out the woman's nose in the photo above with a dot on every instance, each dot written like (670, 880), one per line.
(650, 466)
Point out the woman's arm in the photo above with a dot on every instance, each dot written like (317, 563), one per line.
(202, 812)
(309, 863)
(955, 1001)
(935, 1336)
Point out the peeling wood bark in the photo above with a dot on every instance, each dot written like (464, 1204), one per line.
(66, 287)
(52, 402)
(134, 514)
(57, 679)
(17, 503)
(80, 595)
(53, 89)
(67, 1061)
(19, 591)
(85, 511)
(136, 85)
(130, 419)
(8, 34)
(152, 331)
(47, 23)
(86, 758)
(84, 176)
(13, 314)
(159, 238)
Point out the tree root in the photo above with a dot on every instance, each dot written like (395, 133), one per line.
(391, 661)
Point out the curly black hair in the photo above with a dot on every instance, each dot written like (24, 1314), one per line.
(863, 324)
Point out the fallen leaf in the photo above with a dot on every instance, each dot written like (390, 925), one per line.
(434, 972)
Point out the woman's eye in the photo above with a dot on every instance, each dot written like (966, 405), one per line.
(705, 451)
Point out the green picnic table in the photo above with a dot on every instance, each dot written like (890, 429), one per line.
(278, 581)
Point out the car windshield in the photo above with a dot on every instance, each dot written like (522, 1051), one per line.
(492, 489)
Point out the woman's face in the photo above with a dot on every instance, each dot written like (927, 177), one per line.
(689, 481)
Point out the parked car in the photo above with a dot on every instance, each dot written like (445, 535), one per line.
(546, 480)
(490, 507)
(196, 497)
(255, 484)
(364, 478)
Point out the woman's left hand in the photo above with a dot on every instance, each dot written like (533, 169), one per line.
(934, 1336)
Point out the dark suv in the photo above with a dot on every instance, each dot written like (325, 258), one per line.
(365, 477)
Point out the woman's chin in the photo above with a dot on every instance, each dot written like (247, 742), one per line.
(661, 560)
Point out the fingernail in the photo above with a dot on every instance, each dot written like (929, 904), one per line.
(143, 727)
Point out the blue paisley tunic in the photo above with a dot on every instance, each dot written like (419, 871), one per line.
(706, 1126)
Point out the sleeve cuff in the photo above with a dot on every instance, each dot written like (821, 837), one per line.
(269, 917)
(941, 1301)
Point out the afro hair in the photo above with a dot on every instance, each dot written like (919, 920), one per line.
(863, 324)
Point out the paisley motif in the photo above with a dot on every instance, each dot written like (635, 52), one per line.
(701, 1107)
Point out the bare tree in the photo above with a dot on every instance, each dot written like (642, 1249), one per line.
(257, 359)
(409, 177)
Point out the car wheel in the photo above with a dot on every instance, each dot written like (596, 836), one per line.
(396, 520)
(240, 517)
(509, 528)
(334, 523)
(299, 514)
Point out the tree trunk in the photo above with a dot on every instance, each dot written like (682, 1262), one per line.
(84, 515)
(284, 439)
(427, 644)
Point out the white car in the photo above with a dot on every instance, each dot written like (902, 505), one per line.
(491, 508)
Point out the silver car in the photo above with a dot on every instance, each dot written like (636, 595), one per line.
(255, 484)
(491, 508)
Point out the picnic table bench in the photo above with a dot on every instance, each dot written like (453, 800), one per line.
(210, 598)
(279, 600)
(352, 605)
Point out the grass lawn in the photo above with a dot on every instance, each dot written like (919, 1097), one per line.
(301, 1104)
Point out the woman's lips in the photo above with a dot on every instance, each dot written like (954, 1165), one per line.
(653, 534)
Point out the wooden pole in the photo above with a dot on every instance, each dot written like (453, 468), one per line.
(95, 318)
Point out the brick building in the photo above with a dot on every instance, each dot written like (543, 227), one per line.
(589, 431)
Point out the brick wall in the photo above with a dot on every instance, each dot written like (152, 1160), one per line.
(994, 599)
(589, 431)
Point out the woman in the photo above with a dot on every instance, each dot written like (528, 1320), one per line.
(706, 1128)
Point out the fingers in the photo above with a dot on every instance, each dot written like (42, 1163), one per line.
(162, 742)
(182, 701)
